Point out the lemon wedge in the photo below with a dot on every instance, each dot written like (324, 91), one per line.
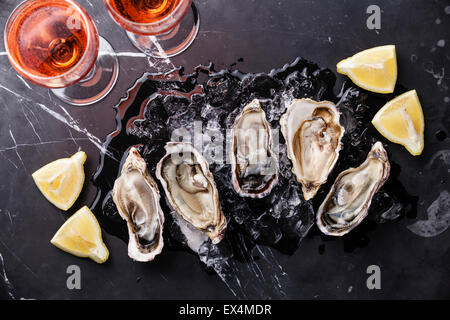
(373, 69)
(81, 236)
(401, 121)
(61, 181)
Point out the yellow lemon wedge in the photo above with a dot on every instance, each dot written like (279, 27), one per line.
(61, 181)
(81, 236)
(401, 121)
(373, 69)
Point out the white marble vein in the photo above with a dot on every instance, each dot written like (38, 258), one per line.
(9, 160)
(5, 279)
(7, 214)
(131, 54)
(163, 64)
(15, 148)
(31, 124)
(69, 121)
(65, 118)
(19, 259)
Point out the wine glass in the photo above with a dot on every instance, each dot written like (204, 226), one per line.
(159, 28)
(55, 44)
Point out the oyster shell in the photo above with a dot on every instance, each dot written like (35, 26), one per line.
(313, 139)
(348, 201)
(254, 167)
(190, 189)
(136, 196)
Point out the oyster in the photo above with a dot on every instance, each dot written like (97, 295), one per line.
(348, 201)
(190, 189)
(254, 167)
(136, 196)
(313, 139)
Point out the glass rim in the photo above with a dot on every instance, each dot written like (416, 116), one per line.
(33, 77)
(156, 23)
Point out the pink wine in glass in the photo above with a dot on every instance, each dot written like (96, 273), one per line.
(55, 44)
(159, 28)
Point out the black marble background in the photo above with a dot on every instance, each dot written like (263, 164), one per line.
(253, 36)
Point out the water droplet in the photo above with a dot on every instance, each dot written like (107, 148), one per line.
(446, 99)
(447, 9)
(437, 21)
(441, 135)
(441, 43)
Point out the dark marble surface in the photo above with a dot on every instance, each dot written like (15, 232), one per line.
(35, 128)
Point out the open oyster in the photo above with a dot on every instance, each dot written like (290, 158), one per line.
(136, 196)
(313, 139)
(190, 189)
(254, 167)
(348, 201)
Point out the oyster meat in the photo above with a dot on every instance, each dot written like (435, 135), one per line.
(313, 139)
(190, 189)
(136, 196)
(348, 201)
(254, 166)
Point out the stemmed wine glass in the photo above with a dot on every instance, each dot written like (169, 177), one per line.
(159, 28)
(55, 44)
